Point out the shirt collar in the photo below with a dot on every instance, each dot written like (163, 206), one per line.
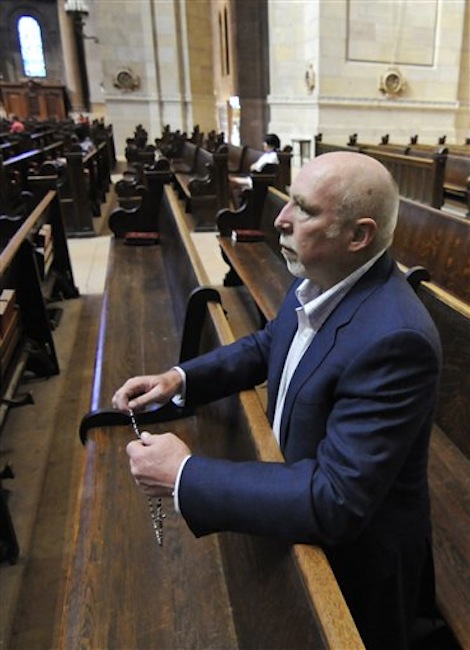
(317, 305)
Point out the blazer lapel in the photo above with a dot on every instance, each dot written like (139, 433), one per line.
(324, 339)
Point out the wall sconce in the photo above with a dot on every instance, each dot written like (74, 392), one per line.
(310, 78)
(79, 10)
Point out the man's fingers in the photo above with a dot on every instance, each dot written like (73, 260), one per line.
(146, 438)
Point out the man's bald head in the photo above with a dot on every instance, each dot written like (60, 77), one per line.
(361, 187)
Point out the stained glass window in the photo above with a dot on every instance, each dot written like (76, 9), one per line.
(32, 52)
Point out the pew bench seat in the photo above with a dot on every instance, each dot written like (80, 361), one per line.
(260, 270)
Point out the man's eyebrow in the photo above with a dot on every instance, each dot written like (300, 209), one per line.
(299, 200)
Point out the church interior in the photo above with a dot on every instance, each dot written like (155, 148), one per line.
(121, 127)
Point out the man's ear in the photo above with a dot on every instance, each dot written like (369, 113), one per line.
(364, 233)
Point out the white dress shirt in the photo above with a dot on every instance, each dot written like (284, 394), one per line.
(315, 307)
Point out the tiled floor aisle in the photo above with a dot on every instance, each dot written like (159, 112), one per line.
(89, 259)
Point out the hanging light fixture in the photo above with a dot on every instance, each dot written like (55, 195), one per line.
(78, 6)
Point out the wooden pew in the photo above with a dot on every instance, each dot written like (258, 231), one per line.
(34, 269)
(449, 462)
(201, 176)
(241, 158)
(457, 172)
(184, 159)
(418, 178)
(321, 146)
(457, 179)
(14, 174)
(235, 158)
(9, 149)
(72, 183)
(171, 143)
(437, 240)
(213, 140)
(120, 585)
(258, 266)
(139, 209)
(98, 170)
(457, 167)
(204, 188)
(249, 215)
(88, 177)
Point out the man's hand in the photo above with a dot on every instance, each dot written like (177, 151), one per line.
(155, 462)
(138, 392)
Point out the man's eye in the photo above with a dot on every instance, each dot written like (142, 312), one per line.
(302, 212)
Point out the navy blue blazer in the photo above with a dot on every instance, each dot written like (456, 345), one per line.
(355, 426)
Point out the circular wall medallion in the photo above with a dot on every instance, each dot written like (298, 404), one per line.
(125, 79)
(392, 82)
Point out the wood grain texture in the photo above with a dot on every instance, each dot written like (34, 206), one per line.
(263, 273)
(438, 241)
(126, 592)
(453, 323)
(449, 476)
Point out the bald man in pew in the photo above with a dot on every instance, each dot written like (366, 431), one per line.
(352, 362)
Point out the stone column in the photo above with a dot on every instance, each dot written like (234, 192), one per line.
(71, 63)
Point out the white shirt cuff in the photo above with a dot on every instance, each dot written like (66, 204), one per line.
(176, 500)
(180, 398)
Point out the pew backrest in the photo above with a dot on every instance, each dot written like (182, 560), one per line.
(418, 178)
(437, 240)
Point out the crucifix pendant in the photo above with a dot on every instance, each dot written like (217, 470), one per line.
(155, 505)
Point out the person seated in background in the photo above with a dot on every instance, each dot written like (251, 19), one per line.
(84, 140)
(83, 119)
(271, 145)
(16, 125)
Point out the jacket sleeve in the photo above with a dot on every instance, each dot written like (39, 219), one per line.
(228, 369)
(242, 365)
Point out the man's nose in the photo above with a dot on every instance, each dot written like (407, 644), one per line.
(282, 222)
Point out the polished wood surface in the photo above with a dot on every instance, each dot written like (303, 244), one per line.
(437, 240)
(261, 271)
(124, 591)
(32, 99)
(452, 318)
(449, 477)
